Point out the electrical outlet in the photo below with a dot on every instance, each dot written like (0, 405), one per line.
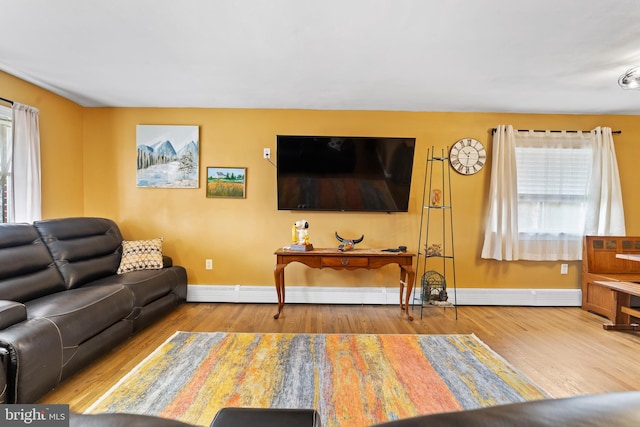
(564, 268)
(208, 264)
(267, 153)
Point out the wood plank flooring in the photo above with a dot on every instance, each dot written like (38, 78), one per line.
(563, 350)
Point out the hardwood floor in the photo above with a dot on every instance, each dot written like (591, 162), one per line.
(563, 350)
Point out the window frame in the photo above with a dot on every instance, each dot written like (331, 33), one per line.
(6, 116)
(565, 172)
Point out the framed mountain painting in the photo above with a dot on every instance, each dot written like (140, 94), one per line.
(168, 156)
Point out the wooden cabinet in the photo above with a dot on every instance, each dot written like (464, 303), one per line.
(599, 263)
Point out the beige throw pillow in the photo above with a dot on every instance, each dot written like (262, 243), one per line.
(141, 255)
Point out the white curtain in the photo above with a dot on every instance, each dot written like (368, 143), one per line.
(605, 213)
(25, 204)
(528, 221)
(501, 235)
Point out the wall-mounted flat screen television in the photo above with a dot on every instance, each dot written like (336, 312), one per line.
(344, 173)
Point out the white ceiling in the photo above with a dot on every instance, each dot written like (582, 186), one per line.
(535, 56)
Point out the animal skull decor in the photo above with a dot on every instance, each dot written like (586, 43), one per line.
(347, 244)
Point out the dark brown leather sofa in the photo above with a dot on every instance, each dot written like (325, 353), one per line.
(62, 303)
(620, 409)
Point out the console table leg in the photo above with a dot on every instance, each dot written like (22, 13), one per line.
(278, 274)
(407, 276)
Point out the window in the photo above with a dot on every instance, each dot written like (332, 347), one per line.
(552, 187)
(548, 190)
(5, 161)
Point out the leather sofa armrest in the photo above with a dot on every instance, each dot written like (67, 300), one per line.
(167, 261)
(32, 354)
(11, 312)
(4, 363)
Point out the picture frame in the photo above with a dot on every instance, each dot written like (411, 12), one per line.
(226, 182)
(168, 156)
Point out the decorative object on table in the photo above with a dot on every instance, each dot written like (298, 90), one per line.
(398, 249)
(168, 156)
(347, 244)
(300, 236)
(436, 197)
(434, 288)
(226, 182)
(467, 156)
(350, 379)
(434, 249)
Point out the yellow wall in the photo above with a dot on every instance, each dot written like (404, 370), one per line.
(240, 235)
(61, 146)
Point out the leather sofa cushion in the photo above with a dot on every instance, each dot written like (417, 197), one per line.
(80, 314)
(84, 249)
(146, 285)
(27, 270)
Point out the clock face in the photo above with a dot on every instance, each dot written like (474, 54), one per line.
(467, 156)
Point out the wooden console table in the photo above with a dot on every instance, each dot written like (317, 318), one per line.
(349, 260)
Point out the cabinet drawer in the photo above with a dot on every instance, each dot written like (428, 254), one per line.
(345, 262)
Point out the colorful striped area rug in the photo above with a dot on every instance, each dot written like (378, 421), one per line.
(352, 380)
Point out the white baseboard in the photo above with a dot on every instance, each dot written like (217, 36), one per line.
(358, 295)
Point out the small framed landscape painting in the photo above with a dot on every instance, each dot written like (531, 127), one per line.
(227, 182)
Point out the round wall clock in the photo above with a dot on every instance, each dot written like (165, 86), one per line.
(467, 156)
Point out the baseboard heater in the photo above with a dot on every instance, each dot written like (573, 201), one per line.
(381, 295)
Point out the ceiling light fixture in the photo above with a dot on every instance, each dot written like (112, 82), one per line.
(630, 79)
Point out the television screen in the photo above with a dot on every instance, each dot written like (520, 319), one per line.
(338, 173)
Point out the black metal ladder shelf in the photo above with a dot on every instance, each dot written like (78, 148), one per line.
(435, 269)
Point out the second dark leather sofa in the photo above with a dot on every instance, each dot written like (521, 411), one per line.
(621, 409)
